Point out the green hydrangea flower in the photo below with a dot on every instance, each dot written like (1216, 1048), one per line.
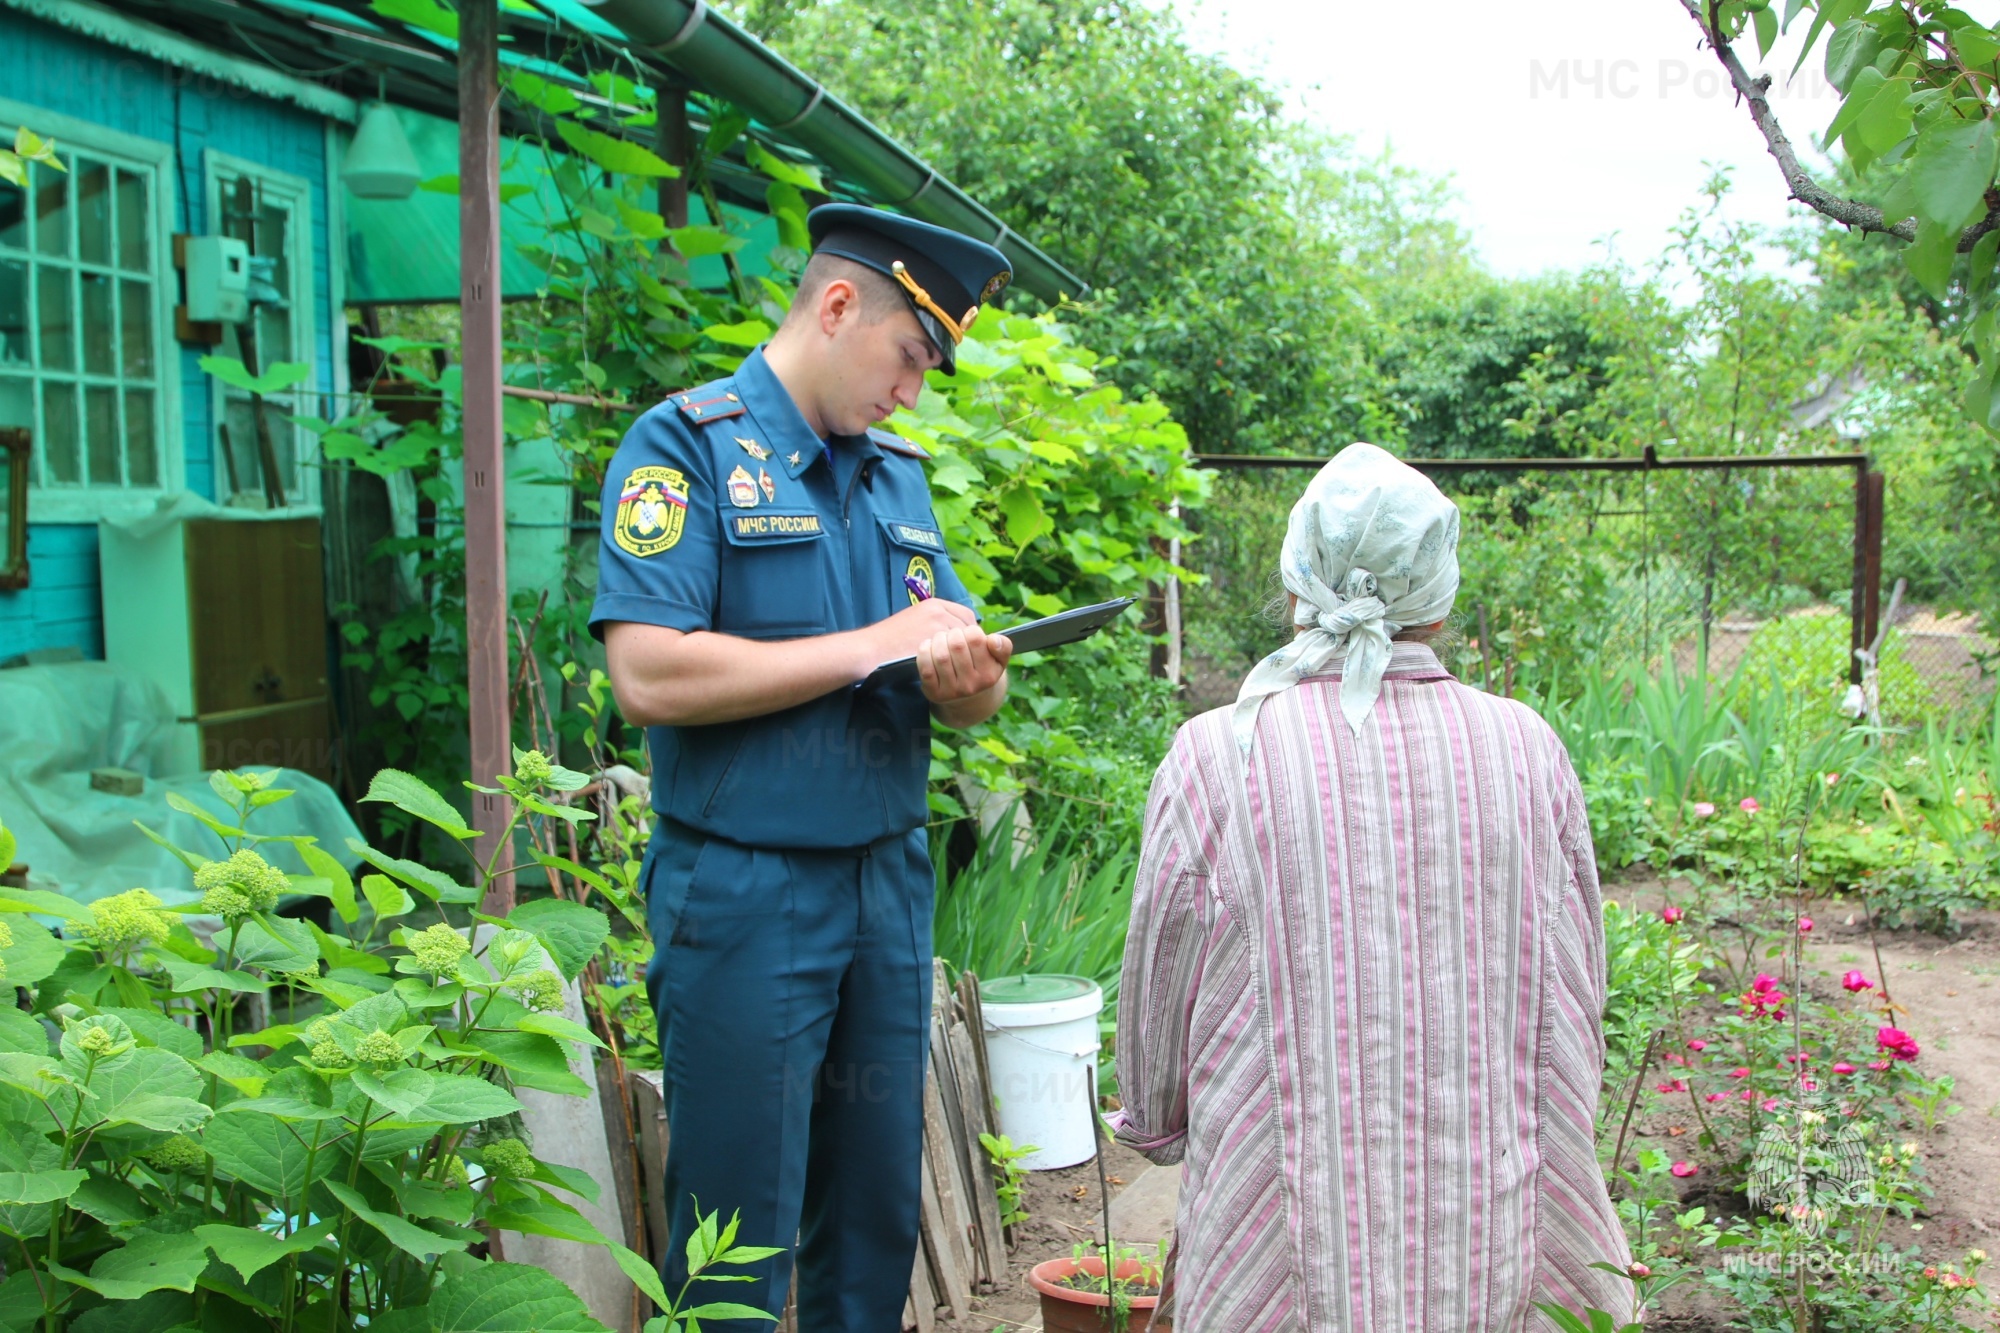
(6, 936)
(508, 1157)
(243, 884)
(379, 1048)
(533, 767)
(179, 1153)
(328, 1055)
(438, 949)
(454, 1172)
(97, 1041)
(539, 990)
(132, 917)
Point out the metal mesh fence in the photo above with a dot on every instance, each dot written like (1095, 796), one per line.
(1739, 564)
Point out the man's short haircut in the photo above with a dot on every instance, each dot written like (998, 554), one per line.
(880, 296)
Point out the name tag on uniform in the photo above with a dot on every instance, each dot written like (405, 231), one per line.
(915, 536)
(766, 526)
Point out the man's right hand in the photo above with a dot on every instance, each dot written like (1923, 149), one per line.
(899, 635)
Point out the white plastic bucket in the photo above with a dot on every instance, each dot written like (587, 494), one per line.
(1041, 1050)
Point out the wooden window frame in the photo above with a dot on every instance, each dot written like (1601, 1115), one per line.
(16, 446)
(296, 192)
(84, 502)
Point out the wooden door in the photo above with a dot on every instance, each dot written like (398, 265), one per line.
(257, 607)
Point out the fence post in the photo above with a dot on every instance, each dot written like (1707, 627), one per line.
(1873, 563)
(1858, 594)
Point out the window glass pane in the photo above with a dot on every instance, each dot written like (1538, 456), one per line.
(51, 210)
(58, 340)
(17, 401)
(16, 345)
(241, 470)
(272, 226)
(100, 332)
(134, 223)
(61, 456)
(93, 212)
(135, 321)
(102, 413)
(13, 216)
(142, 453)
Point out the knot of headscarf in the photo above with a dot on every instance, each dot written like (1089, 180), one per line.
(1371, 549)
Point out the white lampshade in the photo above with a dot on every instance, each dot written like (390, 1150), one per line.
(379, 163)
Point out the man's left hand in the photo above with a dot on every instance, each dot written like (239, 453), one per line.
(960, 663)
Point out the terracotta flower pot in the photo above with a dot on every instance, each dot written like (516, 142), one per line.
(1067, 1310)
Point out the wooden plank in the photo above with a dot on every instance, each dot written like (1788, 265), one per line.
(649, 1118)
(947, 1171)
(920, 1311)
(621, 1131)
(985, 1198)
(947, 1276)
(974, 1014)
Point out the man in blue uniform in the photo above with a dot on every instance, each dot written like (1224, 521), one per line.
(764, 548)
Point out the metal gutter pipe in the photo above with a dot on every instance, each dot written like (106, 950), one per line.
(720, 58)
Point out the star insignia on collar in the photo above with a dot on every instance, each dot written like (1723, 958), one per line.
(793, 458)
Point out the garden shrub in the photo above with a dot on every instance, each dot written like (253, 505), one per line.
(170, 1158)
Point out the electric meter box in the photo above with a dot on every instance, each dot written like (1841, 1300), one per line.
(218, 279)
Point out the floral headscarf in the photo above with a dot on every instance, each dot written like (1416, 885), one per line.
(1372, 548)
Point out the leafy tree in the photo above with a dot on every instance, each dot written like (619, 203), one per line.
(1236, 257)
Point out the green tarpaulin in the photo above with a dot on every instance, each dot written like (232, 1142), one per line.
(406, 250)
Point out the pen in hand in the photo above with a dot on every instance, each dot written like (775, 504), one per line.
(916, 587)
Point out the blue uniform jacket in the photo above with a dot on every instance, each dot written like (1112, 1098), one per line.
(721, 512)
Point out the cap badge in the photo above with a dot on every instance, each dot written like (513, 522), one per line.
(754, 449)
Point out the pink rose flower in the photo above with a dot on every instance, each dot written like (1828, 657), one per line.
(1878, 1065)
(1842, 1067)
(1683, 1169)
(1805, 925)
(1671, 915)
(1853, 981)
(1741, 1071)
(1748, 805)
(1770, 1104)
(1897, 1043)
(1697, 1045)
(1676, 1085)
(1703, 809)
(1716, 1097)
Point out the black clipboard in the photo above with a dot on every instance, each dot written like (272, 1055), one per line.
(1034, 637)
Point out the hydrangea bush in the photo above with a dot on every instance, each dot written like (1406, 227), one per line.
(172, 1158)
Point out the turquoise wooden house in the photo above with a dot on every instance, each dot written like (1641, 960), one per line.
(154, 517)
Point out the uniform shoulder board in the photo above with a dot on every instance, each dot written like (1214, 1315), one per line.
(713, 402)
(896, 444)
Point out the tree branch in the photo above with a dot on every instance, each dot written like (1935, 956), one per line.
(1848, 212)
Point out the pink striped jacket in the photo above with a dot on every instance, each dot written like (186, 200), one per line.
(1361, 1000)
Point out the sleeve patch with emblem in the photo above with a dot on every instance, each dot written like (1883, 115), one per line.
(652, 510)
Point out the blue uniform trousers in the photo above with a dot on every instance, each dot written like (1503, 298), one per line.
(793, 995)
